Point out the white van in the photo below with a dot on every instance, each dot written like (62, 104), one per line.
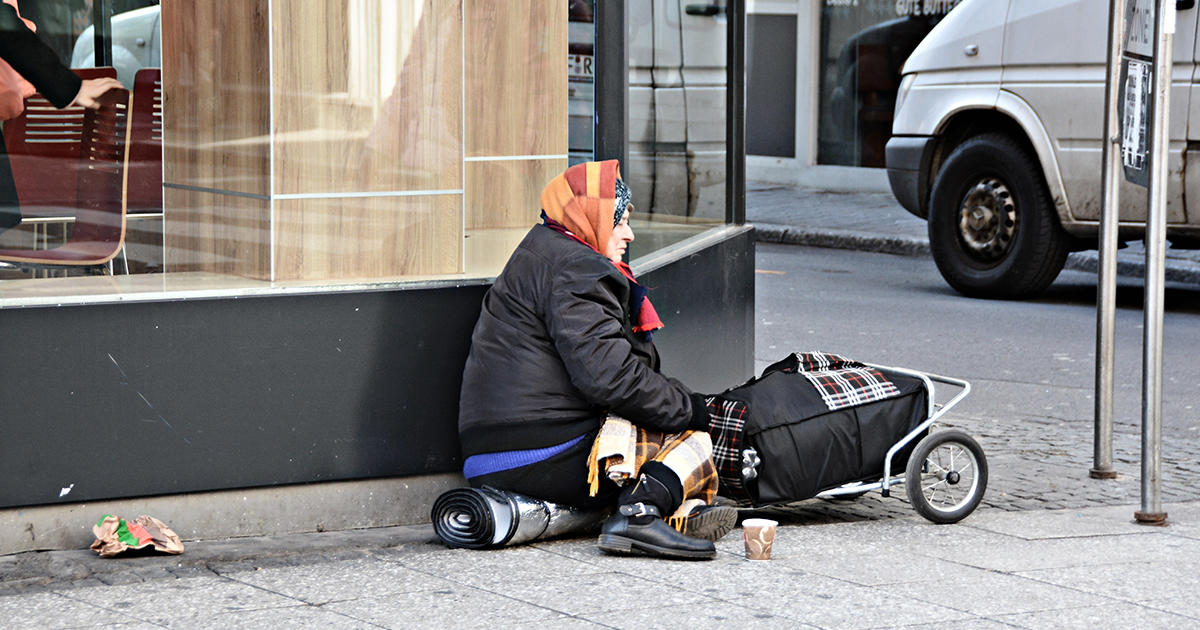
(136, 44)
(997, 141)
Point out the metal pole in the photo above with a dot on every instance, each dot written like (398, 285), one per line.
(1106, 290)
(1156, 245)
(735, 113)
(102, 28)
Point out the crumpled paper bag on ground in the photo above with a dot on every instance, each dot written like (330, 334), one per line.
(115, 534)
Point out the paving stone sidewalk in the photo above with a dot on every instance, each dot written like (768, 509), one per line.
(1033, 464)
(1038, 570)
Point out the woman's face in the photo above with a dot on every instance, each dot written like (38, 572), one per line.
(622, 236)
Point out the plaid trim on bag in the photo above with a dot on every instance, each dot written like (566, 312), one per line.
(843, 382)
(727, 430)
(621, 448)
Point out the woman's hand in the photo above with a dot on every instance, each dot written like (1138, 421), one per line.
(92, 89)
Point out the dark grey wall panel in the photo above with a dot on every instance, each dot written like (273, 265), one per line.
(137, 399)
(706, 301)
(771, 85)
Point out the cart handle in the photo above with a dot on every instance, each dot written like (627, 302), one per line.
(933, 415)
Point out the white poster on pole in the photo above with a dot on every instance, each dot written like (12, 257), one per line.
(1136, 89)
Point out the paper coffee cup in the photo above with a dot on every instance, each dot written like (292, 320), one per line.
(759, 534)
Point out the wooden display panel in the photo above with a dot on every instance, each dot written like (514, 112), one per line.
(365, 96)
(516, 77)
(507, 193)
(355, 109)
(216, 109)
(368, 237)
(223, 234)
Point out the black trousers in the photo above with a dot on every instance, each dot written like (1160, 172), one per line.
(10, 206)
(561, 479)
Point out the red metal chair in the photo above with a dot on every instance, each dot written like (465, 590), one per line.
(98, 231)
(143, 251)
(43, 148)
(145, 144)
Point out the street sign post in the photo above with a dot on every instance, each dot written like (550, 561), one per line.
(1142, 113)
(1156, 256)
(1106, 281)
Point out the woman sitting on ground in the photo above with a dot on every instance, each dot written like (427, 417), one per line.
(563, 347)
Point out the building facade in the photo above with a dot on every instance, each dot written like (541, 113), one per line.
(822, 77)
(311, 214)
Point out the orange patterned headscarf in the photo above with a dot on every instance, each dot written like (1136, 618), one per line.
(583, 199)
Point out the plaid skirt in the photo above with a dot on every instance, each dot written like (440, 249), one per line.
(621, 448)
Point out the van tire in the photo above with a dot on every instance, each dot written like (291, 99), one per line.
(993, 231)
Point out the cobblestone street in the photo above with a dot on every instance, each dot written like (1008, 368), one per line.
(1032, 465)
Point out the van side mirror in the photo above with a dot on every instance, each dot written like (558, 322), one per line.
(1184, 5)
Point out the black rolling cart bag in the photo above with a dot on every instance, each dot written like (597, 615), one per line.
(809, 423)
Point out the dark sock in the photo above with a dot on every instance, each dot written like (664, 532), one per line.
(652, 490)
(668, 479)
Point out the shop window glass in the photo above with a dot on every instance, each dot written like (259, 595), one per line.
(676, 134)
(864, 44)
(344, 143)
(581, 80)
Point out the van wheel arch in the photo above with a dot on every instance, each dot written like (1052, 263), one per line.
(962, 127)
(993, 229)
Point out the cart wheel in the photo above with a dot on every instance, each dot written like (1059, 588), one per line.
(946, 476)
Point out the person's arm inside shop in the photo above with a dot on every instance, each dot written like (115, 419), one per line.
(38, 64)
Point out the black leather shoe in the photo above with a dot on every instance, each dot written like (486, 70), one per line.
(638, 528)
(709, 522)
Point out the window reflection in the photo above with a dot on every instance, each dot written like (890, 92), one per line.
(677, 149)
(864, 44)
(581, 79)
(136, 39)
(60, 22)
(345, 141)
(63, 161)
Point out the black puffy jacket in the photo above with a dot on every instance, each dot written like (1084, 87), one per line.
(554, 350)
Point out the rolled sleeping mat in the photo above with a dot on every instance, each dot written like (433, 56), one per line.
(487, 518)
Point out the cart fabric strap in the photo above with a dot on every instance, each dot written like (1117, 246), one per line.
(843, 382)
(727, 430)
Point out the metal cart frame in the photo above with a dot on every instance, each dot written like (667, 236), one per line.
(964, 455)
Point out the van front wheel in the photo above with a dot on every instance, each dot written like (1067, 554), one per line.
(992, 228)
